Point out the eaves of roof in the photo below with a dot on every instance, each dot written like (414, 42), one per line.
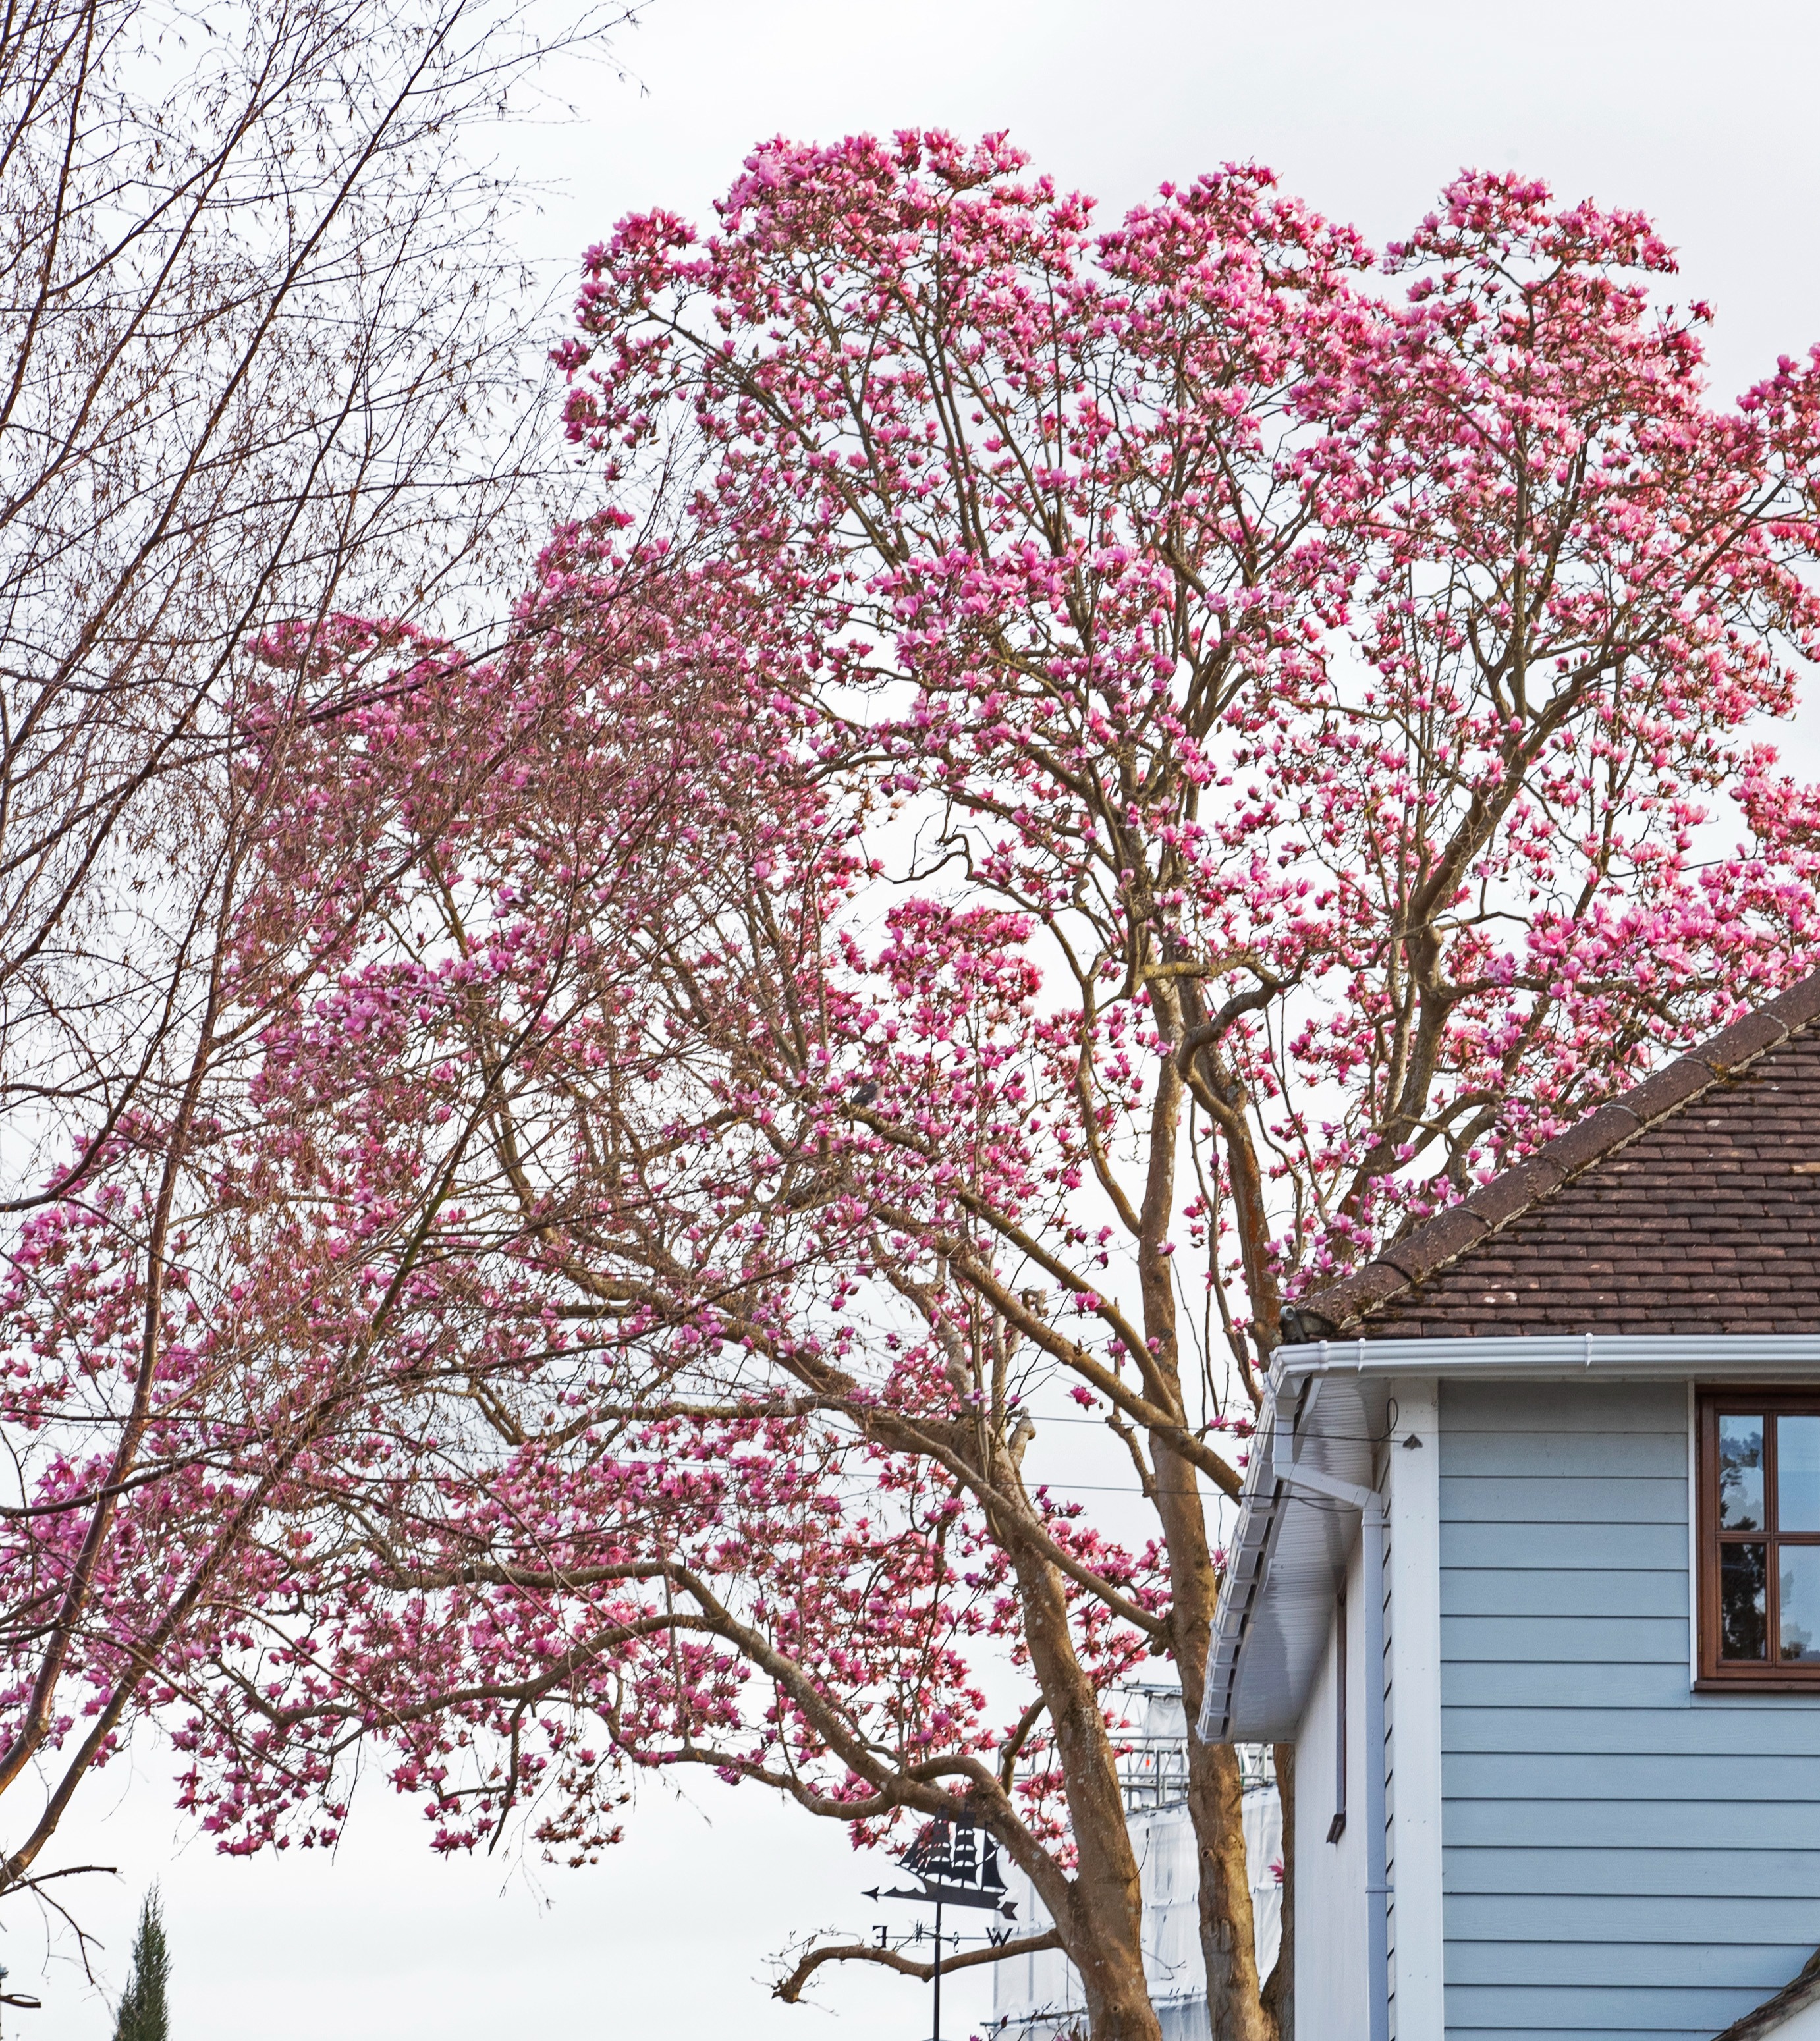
(1327, 1407)
(1286, 1555)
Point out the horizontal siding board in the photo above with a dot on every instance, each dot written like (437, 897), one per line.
(1663, 1732)
(1708, 1930)
(1513, 1499)
(1581, 2033)
(1589, 1456)
(1659, 1547)
(1551, 2009)
(1656, 1640)
(1756, 1968)
(1594, 1870)
(1544, 1684)
(1585, 1591)
(1466, 1407)
(1787, 1781)
(1542, 1823)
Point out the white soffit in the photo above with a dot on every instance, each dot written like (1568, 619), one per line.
(1288, 1556)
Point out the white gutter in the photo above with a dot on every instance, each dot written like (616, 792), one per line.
(1671, 1354)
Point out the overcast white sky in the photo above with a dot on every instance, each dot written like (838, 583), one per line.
(1702, 115)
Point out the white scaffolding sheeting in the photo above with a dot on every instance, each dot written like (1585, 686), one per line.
(1038, 1998)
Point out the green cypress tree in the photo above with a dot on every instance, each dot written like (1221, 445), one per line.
(142, 2015)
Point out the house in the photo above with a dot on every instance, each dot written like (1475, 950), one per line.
(1528, 1566)
(1039, 1997)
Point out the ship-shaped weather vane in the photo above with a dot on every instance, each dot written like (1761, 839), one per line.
(955, 1864)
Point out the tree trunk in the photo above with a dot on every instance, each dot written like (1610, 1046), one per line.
(1227, 1937)
(1234, 2004)
(1104, 1930)
(1117, 1993)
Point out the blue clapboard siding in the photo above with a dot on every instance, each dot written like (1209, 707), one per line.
(1623, 1858)
(1704, 1873)
(1558, 1824)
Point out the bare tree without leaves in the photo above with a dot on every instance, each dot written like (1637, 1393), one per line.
(264, 357)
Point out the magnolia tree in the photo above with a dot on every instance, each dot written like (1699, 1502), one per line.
(1115, 771)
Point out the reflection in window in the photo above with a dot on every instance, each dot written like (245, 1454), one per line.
(1740, 1473)
(1798, 1610)
(1797, 1473)
(1743, 1602)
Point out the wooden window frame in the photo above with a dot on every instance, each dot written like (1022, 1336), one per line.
(1765, 1676)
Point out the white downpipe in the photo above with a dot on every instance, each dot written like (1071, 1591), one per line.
(1370, 1505)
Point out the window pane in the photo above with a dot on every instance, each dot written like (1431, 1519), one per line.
(1798, 1473)
(1740, 1473)
(1743, 1604)
(1800, 1565)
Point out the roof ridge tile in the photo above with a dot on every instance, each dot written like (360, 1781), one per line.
(1797, 1004)
(1436, 1242)
(1665, 1091)
(1606, 1128)
(1513, 1191)
(1745, 1040)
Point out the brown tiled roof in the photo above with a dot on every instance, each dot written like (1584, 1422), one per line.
(1691, 1203)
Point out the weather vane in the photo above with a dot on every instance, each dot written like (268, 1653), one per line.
(955, 1864)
